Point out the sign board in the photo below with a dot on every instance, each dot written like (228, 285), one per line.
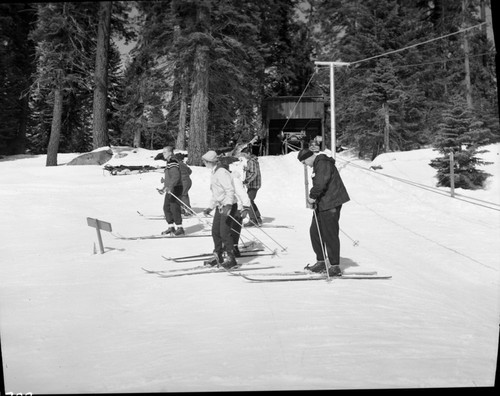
(99, 225)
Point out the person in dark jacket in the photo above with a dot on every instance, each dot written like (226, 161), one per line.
(186, 184)
(172, 188)
(326, 197)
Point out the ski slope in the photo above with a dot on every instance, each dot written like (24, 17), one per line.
(72, 321)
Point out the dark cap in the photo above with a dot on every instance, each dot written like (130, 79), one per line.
(304, 154)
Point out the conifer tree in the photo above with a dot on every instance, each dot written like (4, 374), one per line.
(462, 134)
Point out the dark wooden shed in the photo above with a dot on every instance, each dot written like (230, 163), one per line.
(292, 121)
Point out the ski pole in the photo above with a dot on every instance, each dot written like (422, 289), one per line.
(354, 242)
(283, 249)
(196, 214)
(237, 222)
(325, 253)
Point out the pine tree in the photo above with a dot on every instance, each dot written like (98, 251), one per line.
(100, 133)
(62, 59)
(461, 133)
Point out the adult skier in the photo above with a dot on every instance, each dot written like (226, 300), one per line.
(326, 197)
(223, 200)
(172, 188)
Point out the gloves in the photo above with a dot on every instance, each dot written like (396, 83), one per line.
(245, 211)
(207, 211)
(162, 180)
(226, 209)
(311, 203)
(161, 191)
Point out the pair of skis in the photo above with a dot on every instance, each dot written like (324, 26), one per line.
(159, 236)
(307, 276)
(206, 256)
(201, 269)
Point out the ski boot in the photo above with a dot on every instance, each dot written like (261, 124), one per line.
(216, 260)
(230, 262)
(319, 267)
(168, 231)
(334, 270)
(179, 231)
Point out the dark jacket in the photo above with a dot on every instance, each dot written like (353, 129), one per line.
(185, 173)
(172, 174)
(328, 189)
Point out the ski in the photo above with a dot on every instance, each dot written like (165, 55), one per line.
(306, 276)
(265, 225)
(162, 217)
(212, 270)
(203, 255)
(243, 255)
(196, 268)
(159, 236)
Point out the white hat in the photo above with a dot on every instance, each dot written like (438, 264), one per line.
(210, 156)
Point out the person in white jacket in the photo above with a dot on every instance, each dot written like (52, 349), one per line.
(224, 202)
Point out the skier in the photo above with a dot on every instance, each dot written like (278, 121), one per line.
(172, 188)
(186, 184)
(253, 182)
(223, 200)
(326, 198)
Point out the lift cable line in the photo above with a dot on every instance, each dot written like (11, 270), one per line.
(488, 205)
(332, 78)
(417, 44)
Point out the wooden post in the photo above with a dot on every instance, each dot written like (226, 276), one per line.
(452, 174)
(99, 225)
(306, 184)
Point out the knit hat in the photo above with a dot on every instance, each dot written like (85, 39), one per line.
(304, 154)
(210, 156)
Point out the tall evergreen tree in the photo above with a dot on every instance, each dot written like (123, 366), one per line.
(461, 133)
(62, 59)
(100, 115)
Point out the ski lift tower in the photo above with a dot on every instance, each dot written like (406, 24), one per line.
(332, 99)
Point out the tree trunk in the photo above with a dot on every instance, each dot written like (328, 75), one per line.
(100, 137)
(199, 101)
(137, 133)
(385, 109)
(181, 135)
(55, 130)
(468, 88)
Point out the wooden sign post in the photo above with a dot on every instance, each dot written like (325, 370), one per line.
(99, 225)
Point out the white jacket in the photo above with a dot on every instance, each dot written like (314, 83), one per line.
(222, 187)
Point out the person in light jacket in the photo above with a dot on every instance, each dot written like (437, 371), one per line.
(224, 201)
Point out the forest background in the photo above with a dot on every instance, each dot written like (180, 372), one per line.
(199, 71)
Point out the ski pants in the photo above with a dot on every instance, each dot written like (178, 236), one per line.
(221, 231)
(185, 195)
(172, 207)
(236, 229)
(254, 212)
(328, 222)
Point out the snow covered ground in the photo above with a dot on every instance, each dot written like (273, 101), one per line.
(72, 321)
